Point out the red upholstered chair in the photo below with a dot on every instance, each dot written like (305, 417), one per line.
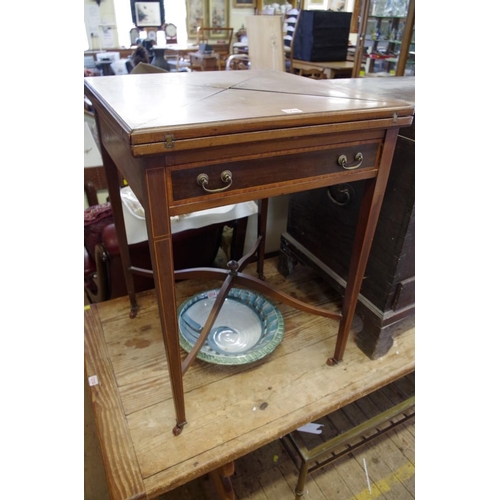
(104, 278)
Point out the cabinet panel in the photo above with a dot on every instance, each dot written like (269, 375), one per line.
(321, 229)
(386, 42)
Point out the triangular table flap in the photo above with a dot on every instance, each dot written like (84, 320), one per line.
(172, 102)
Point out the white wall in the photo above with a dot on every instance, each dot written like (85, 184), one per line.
(100, 21)
(100, 24)
(276, 224)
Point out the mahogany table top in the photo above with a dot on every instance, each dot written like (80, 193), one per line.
(219, 102)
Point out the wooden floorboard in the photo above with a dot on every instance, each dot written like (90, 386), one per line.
(270, 474)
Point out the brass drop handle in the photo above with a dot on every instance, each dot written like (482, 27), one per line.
(226, 176)
(341, 194)
(342, 161)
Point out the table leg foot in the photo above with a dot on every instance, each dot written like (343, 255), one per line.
(178, 428)
(332, 361)
(133, 312)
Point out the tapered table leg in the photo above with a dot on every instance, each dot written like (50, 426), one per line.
(367, 223)
(160, 245)
(113, 181)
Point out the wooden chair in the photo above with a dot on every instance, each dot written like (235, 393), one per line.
(220, 39)
(103, 276)
(238, 62)
(204, 62)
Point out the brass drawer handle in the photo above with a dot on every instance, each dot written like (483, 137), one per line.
(342, 161)
(226, 176)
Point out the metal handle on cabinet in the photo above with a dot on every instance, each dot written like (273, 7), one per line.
(343, 191)
(226, 176)
(342, 161)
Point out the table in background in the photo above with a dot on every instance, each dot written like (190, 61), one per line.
(180, 52)
(233, 409)
(204, 62)
(337, 69)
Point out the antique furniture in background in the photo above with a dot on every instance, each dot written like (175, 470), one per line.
(178, 55)
(342, 436)
(220, 39)
(204, 62)
(230, 137)
(320, 44)
(334, 69)
(104, 279)
(321, 36)
(387, 30)
(323, 220)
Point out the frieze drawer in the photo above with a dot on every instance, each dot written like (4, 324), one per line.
(232, 178)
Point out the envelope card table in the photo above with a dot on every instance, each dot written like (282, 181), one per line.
(192, 141)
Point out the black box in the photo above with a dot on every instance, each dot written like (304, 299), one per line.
(322, 36)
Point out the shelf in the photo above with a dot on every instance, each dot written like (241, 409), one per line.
(386, 17)
(381, 74)
(399, 31)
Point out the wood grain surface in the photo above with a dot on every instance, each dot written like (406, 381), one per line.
(231, 410)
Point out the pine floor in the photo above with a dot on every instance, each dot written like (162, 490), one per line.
(269, 473)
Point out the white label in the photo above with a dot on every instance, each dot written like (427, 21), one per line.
(311, 428)
(93, 380)
(292, 110)
(212, 294)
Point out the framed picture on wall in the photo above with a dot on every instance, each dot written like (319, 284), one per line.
(196, 15)
(244, 3)
(219, 14)
(147, 13)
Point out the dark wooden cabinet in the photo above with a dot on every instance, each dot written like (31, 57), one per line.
(322, 222)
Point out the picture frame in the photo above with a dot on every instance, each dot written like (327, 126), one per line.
(196, 15)
(244, 3)
(218, 11)
(147, 14)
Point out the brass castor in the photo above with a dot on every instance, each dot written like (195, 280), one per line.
(332, 361)
(178, 429)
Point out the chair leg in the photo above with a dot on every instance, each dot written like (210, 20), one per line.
(99, 290)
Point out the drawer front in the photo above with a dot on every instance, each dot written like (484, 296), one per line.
(271, 171)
